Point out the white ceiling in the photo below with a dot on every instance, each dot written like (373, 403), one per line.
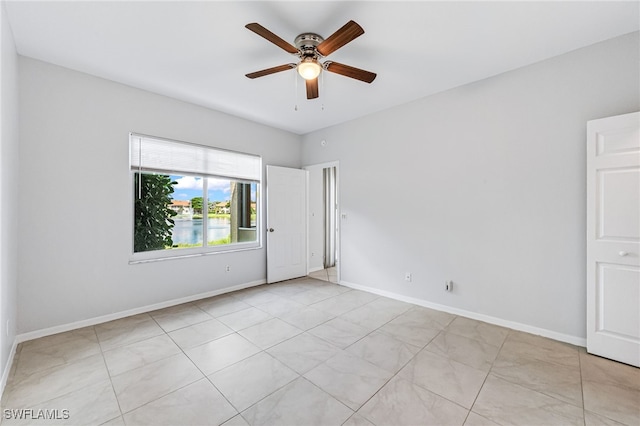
(199, 52)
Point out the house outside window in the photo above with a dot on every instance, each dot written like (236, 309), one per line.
(192, 199)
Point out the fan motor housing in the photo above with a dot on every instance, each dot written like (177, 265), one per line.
(307, 43)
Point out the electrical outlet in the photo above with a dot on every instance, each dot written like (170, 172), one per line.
(227, 269)
(448, 285)
(407, 277)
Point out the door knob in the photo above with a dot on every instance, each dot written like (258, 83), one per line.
(623, 253)
(270, 229)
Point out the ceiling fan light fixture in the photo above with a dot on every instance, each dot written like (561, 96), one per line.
(309, 68)
(309, 48)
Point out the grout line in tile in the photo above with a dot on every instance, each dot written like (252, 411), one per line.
(584, 409)
(89, 385)
(324, 391)
(397, 372)
(537, 390)
(266, 396)
(122, 413)
(485, 378)
(108, 374)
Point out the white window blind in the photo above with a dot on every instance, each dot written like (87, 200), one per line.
(155, 154)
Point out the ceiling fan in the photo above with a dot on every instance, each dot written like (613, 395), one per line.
(310, 48)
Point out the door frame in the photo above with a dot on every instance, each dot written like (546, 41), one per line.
(321, 166)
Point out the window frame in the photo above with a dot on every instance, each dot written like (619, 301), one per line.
(205, 249)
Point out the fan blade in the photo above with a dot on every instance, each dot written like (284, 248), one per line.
(349, 32)
(273, 70)
(349, 71)
(312, 88)
(263, 32)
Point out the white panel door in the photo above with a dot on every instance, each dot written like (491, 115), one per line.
(613, 238)
(286, 223)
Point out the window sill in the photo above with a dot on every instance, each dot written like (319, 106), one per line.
(158, 256)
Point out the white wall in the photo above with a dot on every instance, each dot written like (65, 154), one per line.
(484, 185)
(74, 196)
(8, 191)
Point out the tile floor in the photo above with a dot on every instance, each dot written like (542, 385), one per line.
(308, 352)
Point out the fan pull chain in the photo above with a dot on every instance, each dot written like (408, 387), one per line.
(295, 77)
(323, 90)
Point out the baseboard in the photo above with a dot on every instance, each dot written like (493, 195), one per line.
(118, 315)
(7, 367)
(316, 269)
(574, 340)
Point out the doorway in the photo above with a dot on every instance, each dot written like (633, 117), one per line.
(323, 231)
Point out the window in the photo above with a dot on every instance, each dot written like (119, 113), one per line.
(191, 199)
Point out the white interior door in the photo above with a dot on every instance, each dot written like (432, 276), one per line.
(613, 238)
(286, 223)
